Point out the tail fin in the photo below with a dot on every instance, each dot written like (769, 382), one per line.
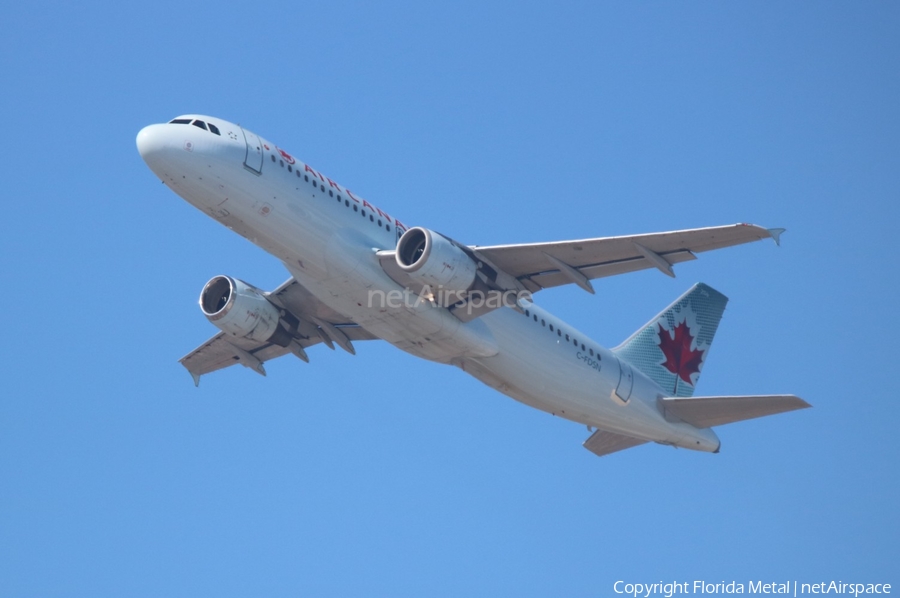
(672, 348)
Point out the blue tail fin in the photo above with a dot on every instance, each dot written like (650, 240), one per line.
(672, 348)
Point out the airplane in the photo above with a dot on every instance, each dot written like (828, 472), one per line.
(358, 273)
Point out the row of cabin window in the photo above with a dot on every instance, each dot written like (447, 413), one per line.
(559, 333)
(331, 193)
(197, 123)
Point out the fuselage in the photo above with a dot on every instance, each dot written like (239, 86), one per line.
(327, 237)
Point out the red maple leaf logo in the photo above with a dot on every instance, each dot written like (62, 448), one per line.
(287, 157)
(681, 360)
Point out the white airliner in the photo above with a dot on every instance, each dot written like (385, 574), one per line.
(358, 273)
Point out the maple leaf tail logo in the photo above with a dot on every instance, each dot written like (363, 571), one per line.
(673, 346)
(680, 359)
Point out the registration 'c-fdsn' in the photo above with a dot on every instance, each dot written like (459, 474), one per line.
(358, 274)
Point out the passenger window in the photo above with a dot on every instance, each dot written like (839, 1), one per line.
(567, 338)
(592, 352)
(551, 327)
(379, 222)
(200, 124)
(388, 227)
(282, 163)
(290, 169)
(323, 187)
(347, 202)
(355, 208)
(559, 332)
(371, 218)
(273, 157)
(299, 176)
(543, 322)
(535, 317)
(363, 213)
(214, 129)
(306, 178)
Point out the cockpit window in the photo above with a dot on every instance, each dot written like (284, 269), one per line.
(197, 123)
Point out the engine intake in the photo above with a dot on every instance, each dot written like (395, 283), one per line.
(241, 310)
(432, 259)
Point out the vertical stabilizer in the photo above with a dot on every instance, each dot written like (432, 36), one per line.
(672, 348)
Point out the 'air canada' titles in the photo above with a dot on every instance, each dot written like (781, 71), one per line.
(361, 202)
(324, 179)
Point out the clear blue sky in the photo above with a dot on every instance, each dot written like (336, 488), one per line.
(383, 475)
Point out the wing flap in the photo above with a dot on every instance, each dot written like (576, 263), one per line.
(705, 412)
(555, 278)
(602, 442)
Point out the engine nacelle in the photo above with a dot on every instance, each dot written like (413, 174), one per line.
(241, 310)
(432, 259)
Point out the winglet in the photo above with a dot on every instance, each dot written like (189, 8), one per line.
(196, 378)
(776, 234)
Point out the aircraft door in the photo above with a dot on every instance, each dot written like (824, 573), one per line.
(626, 381)
(254, 159)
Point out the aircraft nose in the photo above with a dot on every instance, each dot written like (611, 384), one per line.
(151, 142)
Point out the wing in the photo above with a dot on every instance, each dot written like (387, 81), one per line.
(543, 265)
(311, 322)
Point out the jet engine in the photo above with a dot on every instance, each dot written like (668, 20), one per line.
(241, 310)
(432, 259)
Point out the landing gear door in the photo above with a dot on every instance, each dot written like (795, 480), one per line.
(254, 160)
(626, 381)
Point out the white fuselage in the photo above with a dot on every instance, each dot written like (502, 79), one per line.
(327, 237)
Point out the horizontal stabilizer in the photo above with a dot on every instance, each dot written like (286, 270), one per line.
(705, 412)
(603, 443)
